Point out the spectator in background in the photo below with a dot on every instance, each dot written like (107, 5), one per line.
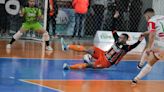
(123, 8)
(108, 15)
(4, 21)
(135, 15)
(51, 16)
(98, 7)
(80, 8)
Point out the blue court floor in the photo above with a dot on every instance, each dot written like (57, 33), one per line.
(13, 70)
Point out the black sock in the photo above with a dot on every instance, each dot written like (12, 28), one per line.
(12, 40)
(47, 43)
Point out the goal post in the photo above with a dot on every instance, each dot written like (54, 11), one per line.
(45, 13)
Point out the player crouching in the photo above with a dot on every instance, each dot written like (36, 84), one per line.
(31, 14)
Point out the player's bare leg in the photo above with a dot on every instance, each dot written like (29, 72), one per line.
(143, 60)
(15, 37)
(152, 59)
(46, 38)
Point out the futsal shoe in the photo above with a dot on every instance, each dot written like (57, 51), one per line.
(63, 44)
(66, 66)
(49, 48)
(8, 46)
(134, 81)
(139, 66)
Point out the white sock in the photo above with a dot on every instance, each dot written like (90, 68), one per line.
(17, 35)
(143, 58)
(144, 72)
(46, 36)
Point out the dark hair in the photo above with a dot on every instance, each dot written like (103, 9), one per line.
(126, 35)
(149, 10)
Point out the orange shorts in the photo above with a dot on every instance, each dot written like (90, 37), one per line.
(101, 60)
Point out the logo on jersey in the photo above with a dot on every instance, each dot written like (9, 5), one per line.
(115, 48)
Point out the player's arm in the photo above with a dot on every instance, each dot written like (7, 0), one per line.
(151, 39)
(114, 30)
(39, 14)
(146, 33)
(152, 33)
(130, 47)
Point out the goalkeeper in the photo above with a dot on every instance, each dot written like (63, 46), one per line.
(32, 14)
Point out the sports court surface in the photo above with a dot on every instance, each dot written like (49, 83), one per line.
(27, 67)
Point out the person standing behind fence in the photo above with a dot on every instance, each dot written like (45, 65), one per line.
(80, 8)
(135, 14)
(98, 7)
(51, 16)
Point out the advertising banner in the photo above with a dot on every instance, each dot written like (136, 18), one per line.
(104, 40)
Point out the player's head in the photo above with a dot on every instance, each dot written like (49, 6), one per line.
(123, 38)
(31, 3)
(149, 13)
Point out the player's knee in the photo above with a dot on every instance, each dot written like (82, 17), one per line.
(17, 35)
(46, 36)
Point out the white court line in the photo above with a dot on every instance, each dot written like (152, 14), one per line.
(22, 80)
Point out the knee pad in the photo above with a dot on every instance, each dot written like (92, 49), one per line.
(17, 35)
(46, 36)
(87, 58)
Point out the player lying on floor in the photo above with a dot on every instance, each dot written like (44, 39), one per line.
(32, 15)
(101, 59)
(155, 50)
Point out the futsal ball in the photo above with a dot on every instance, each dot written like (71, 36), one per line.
(87, 58)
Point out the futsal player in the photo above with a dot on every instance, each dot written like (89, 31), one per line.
(100, 58)
(155, 49)
(32, 15)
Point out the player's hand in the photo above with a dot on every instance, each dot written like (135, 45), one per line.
(116, 15)
(141, 37)
(145, 33)
(148, 51)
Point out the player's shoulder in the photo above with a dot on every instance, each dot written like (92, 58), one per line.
(156, 18)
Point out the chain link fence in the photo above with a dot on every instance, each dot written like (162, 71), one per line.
(99, 17)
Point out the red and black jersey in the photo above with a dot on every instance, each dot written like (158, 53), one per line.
(118, 50)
